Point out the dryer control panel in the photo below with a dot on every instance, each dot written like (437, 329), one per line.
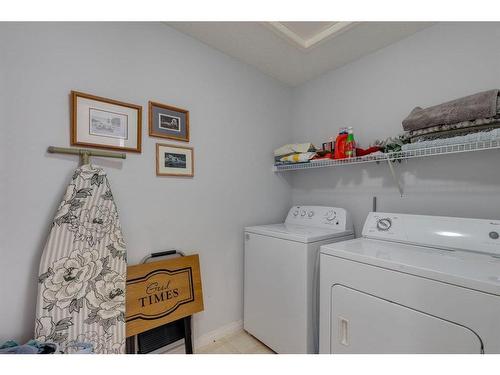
(320, 216)
(453, 233)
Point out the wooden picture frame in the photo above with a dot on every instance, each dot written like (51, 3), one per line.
(176, 122)
(182, 163)
(105, 123)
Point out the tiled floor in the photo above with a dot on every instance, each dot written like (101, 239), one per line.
(236, 343)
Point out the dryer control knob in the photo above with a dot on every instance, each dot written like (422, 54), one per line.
(384, 224)
(303, 213)
(310, 213)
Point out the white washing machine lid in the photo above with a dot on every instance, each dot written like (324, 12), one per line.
(467, 269)
(297, 233)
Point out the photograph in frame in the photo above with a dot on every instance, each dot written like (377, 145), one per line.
(169, 122)
(105, 123)
(173, 160)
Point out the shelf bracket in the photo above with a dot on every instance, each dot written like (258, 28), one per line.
(395, 178)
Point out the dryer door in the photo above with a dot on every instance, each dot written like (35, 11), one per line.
(362, 323)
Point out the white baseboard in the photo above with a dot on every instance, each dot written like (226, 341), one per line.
(217, 334)
(207, 338)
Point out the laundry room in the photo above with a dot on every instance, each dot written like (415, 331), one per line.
(221, 187)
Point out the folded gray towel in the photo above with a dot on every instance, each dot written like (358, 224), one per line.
(472, 107)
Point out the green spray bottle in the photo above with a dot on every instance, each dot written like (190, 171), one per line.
(350, 144)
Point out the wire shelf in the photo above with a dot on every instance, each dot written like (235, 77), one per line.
(401, 155)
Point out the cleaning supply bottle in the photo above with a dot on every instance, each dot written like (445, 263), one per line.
(350, 146)
(340, 143)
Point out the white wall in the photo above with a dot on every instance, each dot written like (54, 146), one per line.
(373, 95)
(237, 116)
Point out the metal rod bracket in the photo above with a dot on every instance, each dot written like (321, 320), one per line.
(395, 178)
(86, 154)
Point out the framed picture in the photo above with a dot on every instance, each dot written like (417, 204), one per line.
(105, 123)
(173, 160)
(169, 122)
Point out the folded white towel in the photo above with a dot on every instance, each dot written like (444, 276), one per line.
(294, 148)
(298, 158)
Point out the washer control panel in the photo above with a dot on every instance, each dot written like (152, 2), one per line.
(320, 216)
(477, 235)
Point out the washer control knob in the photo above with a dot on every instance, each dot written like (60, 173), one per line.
(331, 215)
(384, 224)
(494, 235)
(303, 213)
(310, 213)
(296, 212)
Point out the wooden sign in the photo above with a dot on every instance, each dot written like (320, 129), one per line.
(161, 292)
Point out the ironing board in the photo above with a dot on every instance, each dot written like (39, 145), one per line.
(81, 284)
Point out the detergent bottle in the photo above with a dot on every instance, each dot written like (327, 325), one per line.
(340, 143)
(350, 146)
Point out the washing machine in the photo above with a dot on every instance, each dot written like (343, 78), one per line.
(412, 284)
(281, 281)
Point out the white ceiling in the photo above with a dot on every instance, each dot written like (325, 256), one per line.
(295, 52)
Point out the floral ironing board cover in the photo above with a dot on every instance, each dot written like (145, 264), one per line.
(81, 290)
